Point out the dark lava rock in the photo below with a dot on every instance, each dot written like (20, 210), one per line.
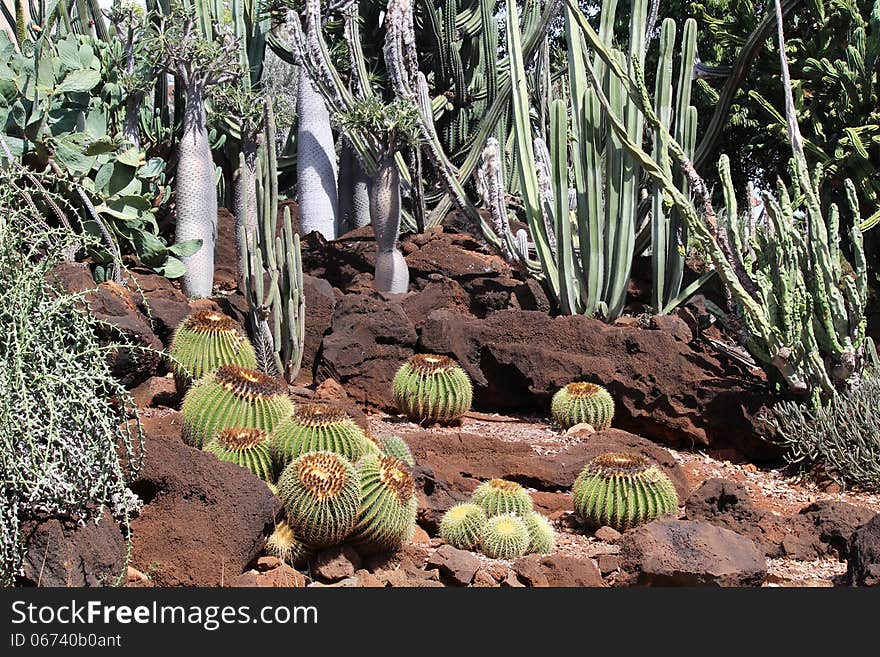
(727, 504)
(320, 303)
(64, 554)
(690, 553)
(833, 525)
(370, 337)
(203, 520)
(456, 566)
(664, 389)
(863, 568)
(335, 563)
(557, 570)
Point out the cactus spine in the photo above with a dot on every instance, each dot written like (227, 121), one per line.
(388, 506)
(204, 341)
(579, 403)
(432, 388)
(232, 396)
(318, 428)
(622, 491)
(504, 537)
(462, 524)
(499, 496)
(321, 493)
(249, 448)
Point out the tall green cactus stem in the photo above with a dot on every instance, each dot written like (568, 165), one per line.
(392, 273)
(198, 65)
(504, 537)
(318, 428)
(814, 350)
(204, 341)
(249, 448)
(276, 312)
(542, 537)
(585, 256)
(232, 396)
(321, 492)
(622, 491)
(498, 496)
(388, 508)
(579, 403)
(461, 525)
(315, 162)
(432, 388)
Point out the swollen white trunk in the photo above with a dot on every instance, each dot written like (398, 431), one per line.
(316, 162)
(354, 191)
(196, 196)
(392, 273)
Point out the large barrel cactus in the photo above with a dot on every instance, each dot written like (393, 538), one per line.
(388, 508)
(318, 428)
(431, 388)
(579, 403)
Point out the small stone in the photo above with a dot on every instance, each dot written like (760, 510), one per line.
(336, 563)
(512, 581)
(457, 566)
(607, 534)
(530, 572)
(368, 580)
(330, 390)
(282, 576)
(587, 429)
(421, 537)
(483, 579)
(267, 563)
(608, 563)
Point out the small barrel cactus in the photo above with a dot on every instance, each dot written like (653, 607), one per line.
(233, 396)
(204, 341)
(622, 491)
(461, 526)
(249, 448)
(396, 446)
(504, 537)
(387, 517)
(284, 544)
(579, 403)
(498, 496)
(542, 537)
(318, 428)
(321, 492)
(432, 388)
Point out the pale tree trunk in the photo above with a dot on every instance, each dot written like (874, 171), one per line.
(196, 195)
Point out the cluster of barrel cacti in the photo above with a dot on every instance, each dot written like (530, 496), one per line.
(337, 482)
(499, 521)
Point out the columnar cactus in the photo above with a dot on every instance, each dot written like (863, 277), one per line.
(318, 428)
(461, 526)
(504, 537)
(204, 341)
(321, 492)
(542, 537)
(233, 396)
(499, 496)
(249, 448)
(579, 403)
(622, 491)
(387, 517)
(432, 388)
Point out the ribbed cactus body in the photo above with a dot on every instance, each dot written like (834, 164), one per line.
(233, 396)
(388, 507)
(504, 537)
(622, 491)
(579, 403)
(318, 428)
(499, 496)
(204, 341)
(249, 448)
(461, 526)
(321, 493)
(396, 446)
(196, 196)
(392, 273)
(284, 544)
(432, 388)
(542, 537)
(316, 162)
